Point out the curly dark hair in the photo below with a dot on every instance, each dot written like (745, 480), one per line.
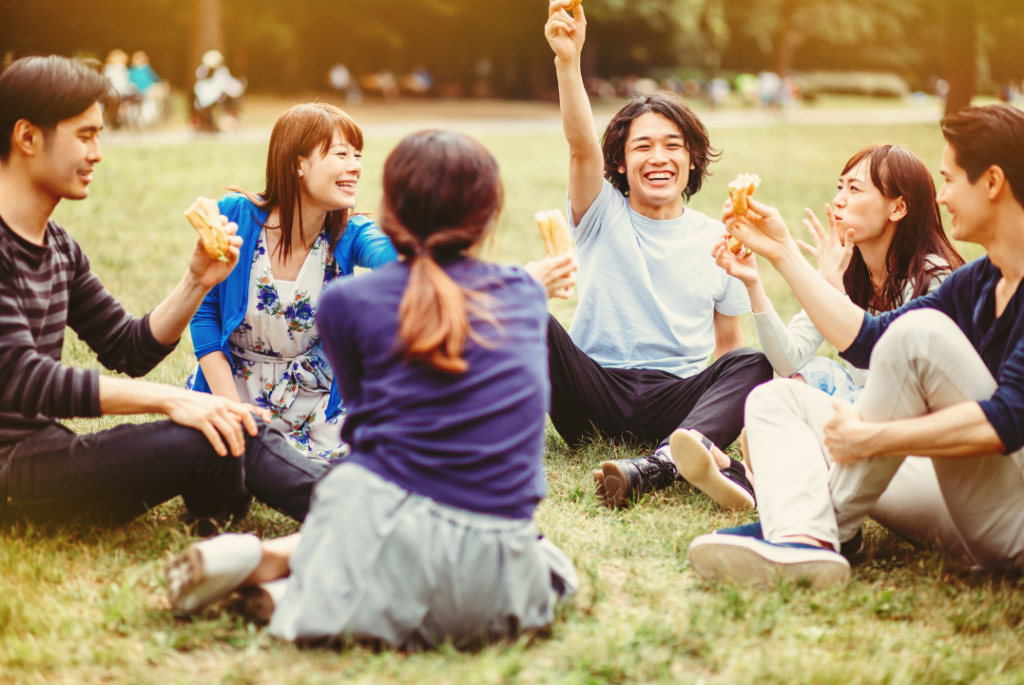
(673, 108)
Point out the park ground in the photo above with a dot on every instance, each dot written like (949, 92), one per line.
(80, 604)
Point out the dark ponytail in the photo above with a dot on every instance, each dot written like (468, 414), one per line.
(442, 194)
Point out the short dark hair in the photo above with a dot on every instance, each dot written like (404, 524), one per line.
(988, 136)
(46, 91)
(673, 108)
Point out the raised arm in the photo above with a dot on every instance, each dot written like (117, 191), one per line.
(566, 35)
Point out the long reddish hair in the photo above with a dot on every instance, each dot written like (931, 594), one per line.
(442, 195)
(299, 132)
(898, 172)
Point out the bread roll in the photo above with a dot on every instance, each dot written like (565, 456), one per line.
(204, 215)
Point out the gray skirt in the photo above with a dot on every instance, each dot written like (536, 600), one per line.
(377, 562)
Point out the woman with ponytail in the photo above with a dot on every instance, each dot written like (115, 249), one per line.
(442, 364)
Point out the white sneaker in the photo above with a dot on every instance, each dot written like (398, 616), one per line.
(691, 453)
(748, 560)
(210, 570)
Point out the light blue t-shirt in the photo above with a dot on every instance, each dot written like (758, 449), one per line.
(649, 289)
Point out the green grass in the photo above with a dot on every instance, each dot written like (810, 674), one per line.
(87, 605)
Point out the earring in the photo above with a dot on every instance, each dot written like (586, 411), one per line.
(300, 173)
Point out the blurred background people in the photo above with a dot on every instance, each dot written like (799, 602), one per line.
(419, 81)
(154, 93)
(216, 89)
(383, 83)
(341, 80)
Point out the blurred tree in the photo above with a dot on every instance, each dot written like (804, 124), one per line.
(207, 31)
(782, 27)
(291, 44)
(961, 53)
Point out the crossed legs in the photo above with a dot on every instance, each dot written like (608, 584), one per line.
(923, 363)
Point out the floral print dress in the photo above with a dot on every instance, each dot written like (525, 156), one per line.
(276, 355)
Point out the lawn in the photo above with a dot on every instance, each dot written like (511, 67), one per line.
(87, 605)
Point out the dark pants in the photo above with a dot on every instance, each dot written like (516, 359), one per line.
(114, 475)
(647, 404)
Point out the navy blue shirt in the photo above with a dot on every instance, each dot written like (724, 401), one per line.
(473, 440)
(968, 297)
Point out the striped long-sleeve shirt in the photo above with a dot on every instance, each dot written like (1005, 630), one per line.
(42, 290)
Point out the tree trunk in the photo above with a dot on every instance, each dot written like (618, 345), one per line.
(207, 33)
(789, 37)
(240, 36)
(961, 53)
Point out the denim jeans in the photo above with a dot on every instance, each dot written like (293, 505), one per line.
(112, 476)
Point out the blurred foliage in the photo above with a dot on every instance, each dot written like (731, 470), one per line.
(290, 44)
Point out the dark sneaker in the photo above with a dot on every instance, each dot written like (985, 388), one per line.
(258, 601)
(746, 559)
(853, 547)
(729, 487)
(627, 480)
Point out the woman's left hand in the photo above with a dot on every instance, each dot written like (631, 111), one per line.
(832, 249)
(557, 274)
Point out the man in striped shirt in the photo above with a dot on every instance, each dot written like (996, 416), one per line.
(50, 120)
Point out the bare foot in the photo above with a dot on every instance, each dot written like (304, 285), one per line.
(721, 458)
(808, 540)
(274, 563)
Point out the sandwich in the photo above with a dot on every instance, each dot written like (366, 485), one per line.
(739, 190)
(738, 248)
(204, 215)
(554, 229)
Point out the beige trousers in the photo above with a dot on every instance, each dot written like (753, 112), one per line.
(922, 363)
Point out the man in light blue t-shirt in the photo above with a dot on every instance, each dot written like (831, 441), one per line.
(653, 306)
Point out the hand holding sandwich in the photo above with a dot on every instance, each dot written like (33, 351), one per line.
(761, 229)
(566, 34)
(557, 274)
(217, 249)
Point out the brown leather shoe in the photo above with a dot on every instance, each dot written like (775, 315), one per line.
(627, 480)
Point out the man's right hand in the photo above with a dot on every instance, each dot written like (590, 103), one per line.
(744, 269)
(218, 418)
(566, 34)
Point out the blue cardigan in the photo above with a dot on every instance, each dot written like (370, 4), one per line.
(223, 309)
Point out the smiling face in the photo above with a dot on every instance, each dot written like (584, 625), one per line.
(657, 166)
(860, 205)
(328, 181)
(65, 155)
(967, 203)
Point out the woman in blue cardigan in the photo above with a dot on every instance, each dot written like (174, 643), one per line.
(255, 335)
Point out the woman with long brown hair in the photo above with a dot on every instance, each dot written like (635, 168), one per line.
(255, 335)
(886, 246)
(442, 362)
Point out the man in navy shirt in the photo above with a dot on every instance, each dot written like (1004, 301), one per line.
(947, 382)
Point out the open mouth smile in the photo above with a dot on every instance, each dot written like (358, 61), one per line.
(659, 177)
